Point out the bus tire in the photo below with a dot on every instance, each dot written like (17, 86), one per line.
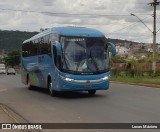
(92, 92)
(30, 87)
(52, 92)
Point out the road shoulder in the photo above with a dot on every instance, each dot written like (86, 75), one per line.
(138, 84)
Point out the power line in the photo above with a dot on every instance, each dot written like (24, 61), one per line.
(68, 14)
(125, 2)
(128, 26)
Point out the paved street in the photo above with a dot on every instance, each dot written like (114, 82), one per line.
(120, 104)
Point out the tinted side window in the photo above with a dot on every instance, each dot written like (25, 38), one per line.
(25, 50)
(33, 49)
(29, 49)
(45, 47)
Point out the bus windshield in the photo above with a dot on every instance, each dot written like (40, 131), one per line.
(84, 55)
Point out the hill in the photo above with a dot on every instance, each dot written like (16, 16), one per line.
(10, 40)
(13, 39)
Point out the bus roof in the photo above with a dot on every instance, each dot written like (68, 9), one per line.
(69, 31)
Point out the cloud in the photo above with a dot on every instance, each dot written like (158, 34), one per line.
(109, 16)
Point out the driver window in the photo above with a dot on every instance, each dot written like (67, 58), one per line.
(56, 58)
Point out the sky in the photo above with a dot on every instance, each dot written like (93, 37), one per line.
(112, 17)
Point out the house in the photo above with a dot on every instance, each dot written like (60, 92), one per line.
(122, 51)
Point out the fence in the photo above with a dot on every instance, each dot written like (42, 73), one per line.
(139, 69)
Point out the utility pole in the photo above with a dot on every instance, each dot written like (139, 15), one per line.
(154, 4)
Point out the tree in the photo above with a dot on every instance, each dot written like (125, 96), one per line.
(131, 65)
(13, 58)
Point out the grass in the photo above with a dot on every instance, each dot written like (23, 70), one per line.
(137, 79)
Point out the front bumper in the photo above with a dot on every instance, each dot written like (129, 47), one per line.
(67, 84)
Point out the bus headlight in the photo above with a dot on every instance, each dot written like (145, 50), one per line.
(68, 79)
(105, 78)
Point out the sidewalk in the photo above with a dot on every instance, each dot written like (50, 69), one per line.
(9, 116)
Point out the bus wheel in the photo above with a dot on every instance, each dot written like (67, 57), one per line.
(92, 92)
(52, 92)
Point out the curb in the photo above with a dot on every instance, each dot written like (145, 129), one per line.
(15, 116)
(137, 84)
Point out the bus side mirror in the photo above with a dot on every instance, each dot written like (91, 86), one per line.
(113, 48)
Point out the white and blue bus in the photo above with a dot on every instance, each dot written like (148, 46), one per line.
(67, 59)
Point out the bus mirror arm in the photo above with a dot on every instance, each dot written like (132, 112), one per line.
(58, 47)
(113, 48)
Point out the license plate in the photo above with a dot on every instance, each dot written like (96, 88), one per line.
(87, 86)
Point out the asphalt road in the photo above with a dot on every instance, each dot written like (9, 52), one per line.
(120, 104)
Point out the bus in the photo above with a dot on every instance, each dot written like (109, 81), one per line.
(67, 59)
